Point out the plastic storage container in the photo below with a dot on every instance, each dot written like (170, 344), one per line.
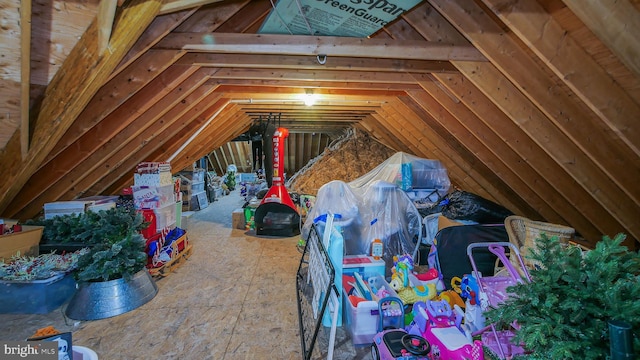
(36, 296)
(361, 320)
(165, 216)
(362, 264)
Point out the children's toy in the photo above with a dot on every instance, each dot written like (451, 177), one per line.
(441, 327)
(432, 276)
(406, 285)
(451, 297)
(493, 292)
(468, 289)
(395, 343)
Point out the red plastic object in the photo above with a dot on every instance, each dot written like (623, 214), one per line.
(149, 216)
(278, 193)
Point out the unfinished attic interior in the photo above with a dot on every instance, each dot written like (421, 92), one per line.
(530, 105)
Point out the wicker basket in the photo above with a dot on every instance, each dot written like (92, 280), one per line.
(523, 233)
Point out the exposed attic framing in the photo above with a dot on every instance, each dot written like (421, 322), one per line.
(532, 104)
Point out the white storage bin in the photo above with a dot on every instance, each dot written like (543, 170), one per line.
(361, 321)
(153, 197)
(197, 187)
(165, 216)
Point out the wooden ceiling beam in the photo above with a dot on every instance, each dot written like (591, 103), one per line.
(184, 117)
(456, 118)
(323, 86)
(178, 5)
(314, 76)
(224, 127)
(81, 75)
(161, 26)
(101, 142)
(148, 69)
(310, 62)
(563, 128)
(106, 15)
(616, 23)
(584, 76)
(527, 152)
(385, 134)
(103, 163)
(210, 18)
(283, 92)
(321, 46)
(434, 27)
(25, 75)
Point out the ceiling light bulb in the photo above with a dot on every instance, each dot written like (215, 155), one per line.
(309, 99)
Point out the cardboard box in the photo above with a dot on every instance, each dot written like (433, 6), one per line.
(61, 208)
(186, 216)
(237, 219)
(25, 242)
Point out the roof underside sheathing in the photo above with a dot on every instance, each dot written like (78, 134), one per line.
(532, 104)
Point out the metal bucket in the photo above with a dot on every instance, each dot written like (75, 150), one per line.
(104, 299)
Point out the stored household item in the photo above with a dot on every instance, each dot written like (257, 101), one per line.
(25, 242)
(316, 294)
(392, 218)
(277, 215)
(337, 198)
(409, 172)
(462, 205)
(493, 292)
(362, 316)
(238, 220)
(439, 324)
(448, 253)
(392, 341)
(152, 174)
(104, 299)
(377, 248)
(36, 296)
(175, 250)
(60, 208)
(523, 233)
(84, 353)
(620, 340)
(362, 264)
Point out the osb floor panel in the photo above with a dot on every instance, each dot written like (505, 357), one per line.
(234, 298)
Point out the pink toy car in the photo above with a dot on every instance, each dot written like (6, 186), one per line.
(398, 344)
(436, 322)
(393, 342)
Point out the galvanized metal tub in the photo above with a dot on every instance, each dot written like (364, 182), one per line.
(104, 299)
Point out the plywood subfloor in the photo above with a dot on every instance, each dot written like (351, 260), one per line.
(234, 298)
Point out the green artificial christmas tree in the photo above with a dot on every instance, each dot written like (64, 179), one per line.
(564, 312)
(230, 180)
(116, 247)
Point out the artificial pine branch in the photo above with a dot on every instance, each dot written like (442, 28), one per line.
(564, 312)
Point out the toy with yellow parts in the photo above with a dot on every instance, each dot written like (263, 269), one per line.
(408, 290)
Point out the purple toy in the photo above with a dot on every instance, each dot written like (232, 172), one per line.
(393, 342)
(493, 292)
